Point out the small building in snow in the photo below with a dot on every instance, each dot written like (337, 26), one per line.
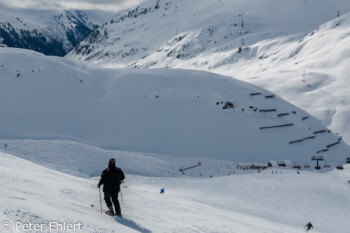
(272, 163)
(257, 166)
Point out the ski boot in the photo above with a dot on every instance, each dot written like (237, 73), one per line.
(110, 211)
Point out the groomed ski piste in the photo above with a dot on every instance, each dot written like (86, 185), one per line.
(248, 202)
(62, 121)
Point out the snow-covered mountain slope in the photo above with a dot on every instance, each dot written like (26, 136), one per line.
(309, 71)
(279, 40)
(255, 203)
(186, 29)
(189, 114)
(52, 32)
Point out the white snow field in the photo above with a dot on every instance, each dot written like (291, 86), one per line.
(265, 202)
(72, 118)
(279, 40)
(171, 112)
(187, 29)
(62, 121)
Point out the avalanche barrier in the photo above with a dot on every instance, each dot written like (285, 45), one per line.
(276, 126)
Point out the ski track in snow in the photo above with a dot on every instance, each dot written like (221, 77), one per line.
(253, 203)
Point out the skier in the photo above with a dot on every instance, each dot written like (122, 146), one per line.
(111, 178)
(308, 226)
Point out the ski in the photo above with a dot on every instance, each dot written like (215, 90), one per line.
(94, 207)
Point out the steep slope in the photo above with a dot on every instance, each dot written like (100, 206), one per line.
(270, 44)
(47, 31)
(309, 71)
(183, 29)
(171, 112)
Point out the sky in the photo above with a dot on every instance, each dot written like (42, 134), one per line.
(110, 5)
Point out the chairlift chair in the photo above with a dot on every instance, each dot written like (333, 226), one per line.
(340, 167)
(348, 160)
(296, 165)
(326, 165)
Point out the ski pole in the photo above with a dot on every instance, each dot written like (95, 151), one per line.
(100, 199)
(121, 194)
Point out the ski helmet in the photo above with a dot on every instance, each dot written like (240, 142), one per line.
(111, 162)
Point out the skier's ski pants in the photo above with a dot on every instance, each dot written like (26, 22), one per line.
(114, 197)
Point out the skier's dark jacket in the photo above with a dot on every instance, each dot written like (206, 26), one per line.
(111, 179)
(309, 225)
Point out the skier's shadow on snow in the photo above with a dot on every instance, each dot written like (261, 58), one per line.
(131, 224)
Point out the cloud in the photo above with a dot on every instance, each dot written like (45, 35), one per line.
(109, 5)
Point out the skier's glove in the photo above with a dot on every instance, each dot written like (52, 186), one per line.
(98, 186)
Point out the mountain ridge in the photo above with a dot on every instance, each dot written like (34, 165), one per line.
(52, 32)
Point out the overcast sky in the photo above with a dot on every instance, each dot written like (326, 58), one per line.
(70, 4)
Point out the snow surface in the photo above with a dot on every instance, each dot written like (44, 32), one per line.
(205, 26)
(70, 118)
(256, 202)
(279, 41)
(171, 112)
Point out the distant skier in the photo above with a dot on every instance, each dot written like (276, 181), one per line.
(111, 178)
(308, 227)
